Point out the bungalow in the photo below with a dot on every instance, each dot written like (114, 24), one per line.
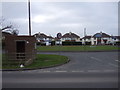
(70, 37)
(115, 40)
(43, 39)
(101, 39)
(97, 39)
(87, 40)
(58, 41)
(49, 40)
(67, 39)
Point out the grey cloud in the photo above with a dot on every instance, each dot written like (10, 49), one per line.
(63, 17)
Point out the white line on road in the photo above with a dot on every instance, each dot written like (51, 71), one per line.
(109, 70)
(113, 65)
(30, 71)
(94, 71)
(95, 58)
(8, 72)
(57, 68)
(23, 71)
(117, 60)
(60, 71)
(77, 71)
(46, 71)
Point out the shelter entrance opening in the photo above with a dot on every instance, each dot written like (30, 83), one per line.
(20, 49)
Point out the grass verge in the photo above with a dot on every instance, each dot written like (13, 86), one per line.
(77, 48)
(42, 60)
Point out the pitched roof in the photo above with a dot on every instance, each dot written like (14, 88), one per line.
(116, 37)
(87, 37)
(101, 35)
(42, 35)
(70, 35)
(50, 37)
(56, 39)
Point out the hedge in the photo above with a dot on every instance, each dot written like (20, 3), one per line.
(41, 44)
(87, 43)
(118, 43)
(52, 43)
(71, 43)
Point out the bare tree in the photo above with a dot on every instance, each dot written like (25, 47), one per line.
(8, 27)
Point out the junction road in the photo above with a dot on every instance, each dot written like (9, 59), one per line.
(85, 70)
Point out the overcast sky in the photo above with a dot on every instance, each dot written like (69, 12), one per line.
(53, 17)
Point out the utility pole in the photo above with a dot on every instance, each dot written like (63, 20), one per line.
(29, 17)
(84, 39)
(84, 34)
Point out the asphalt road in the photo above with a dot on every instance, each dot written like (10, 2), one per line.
(85, 70)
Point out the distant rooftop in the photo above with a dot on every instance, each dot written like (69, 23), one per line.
(101, 34)
(70, 35)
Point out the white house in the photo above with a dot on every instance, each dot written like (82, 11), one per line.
(67, 37)
(43, 39)
(58, 41)
(70, 37)
(97, 39)
(115, 39)
(101, 39)
(87, 40)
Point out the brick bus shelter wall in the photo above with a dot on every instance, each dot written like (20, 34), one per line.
(11, 50)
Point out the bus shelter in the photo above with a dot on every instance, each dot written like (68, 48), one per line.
(20, 48)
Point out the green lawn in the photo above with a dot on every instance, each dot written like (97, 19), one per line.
(76, 48)
(42, 60)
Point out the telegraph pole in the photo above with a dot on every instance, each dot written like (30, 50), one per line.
(84, 39)
(84, 34)
(84, 31)
(29, 12)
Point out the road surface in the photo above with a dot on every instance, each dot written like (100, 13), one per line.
(85, 70)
